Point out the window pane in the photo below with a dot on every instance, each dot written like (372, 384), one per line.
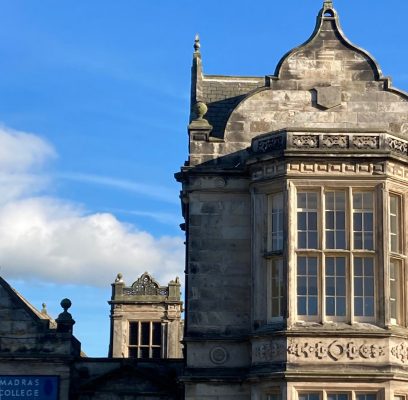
(335, 286)
(395, 291)
(145, 333)
(394, 223)
(363, 287)
(335, 220)
(156, 352)
(308, 396)
(363, 220)
(133, 333)
(337, 396)
(362, 396)
(277, 222)
(307, 220)
(132, 352)
(307, 286)
(276, 296)
(156, 333)
(144, 352)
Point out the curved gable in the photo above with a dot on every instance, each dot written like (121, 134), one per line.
(328, 55)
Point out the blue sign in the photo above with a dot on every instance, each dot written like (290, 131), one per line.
(28, 387)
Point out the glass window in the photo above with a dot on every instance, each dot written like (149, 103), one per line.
(145, 339)
(273, 396)
(335, 272)
(395, 291)
(364, 396)
(394, 224)
(307, 220)
(335, 220)
(363, 217)
(307, 286)
(276, 288)
(363, 286)
(276, 204)
(309, 396)
(336, 275)
(337, 396)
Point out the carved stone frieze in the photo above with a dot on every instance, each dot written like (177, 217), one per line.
(401, 352)
(335, 141)
(397, 146)
(305, 141)
(329, 350)
(269, 351)
(271, 143)
(336, 350)
(366, 142)
(322, 142)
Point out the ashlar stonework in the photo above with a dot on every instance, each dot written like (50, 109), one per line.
(294, 198)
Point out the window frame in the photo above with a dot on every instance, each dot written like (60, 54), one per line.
(139, 345)
(349, 252)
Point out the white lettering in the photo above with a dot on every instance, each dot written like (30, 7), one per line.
(36, 393)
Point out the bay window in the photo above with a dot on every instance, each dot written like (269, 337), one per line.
(328, 395)
(335, 254)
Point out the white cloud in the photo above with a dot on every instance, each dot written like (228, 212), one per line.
(56, 241)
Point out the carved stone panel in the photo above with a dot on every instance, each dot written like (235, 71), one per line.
(342, 350)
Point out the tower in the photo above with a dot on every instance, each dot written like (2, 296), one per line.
(294, 199)
(145, 319)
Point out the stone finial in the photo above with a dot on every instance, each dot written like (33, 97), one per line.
(65, 321)
(197, 44)
(119, 278)
(328, 4)
(201, 109)
(44, 309)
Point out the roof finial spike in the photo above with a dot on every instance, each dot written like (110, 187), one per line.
(197, 44)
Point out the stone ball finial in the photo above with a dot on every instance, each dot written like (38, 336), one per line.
(65, 304)
(197, 44)
(44, 308)
(119, 278)
(201, 109)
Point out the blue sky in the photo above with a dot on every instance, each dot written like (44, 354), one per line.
(94, 100)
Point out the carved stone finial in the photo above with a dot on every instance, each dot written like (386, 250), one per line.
(44, 309)
(65, 304)
(201, 109)
(65, 321)
(328, 4)
(119, 278)
(197, 44)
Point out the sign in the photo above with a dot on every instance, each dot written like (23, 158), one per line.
(28, 387)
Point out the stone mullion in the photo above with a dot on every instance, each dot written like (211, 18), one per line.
(290, 195)
(321, 215)
(382, 233)
(350, 247)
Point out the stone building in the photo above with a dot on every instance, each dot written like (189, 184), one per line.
(294, 197)
(36, 352)
(146, 319)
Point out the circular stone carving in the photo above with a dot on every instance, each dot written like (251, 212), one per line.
(220, 183)
(218, 355)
